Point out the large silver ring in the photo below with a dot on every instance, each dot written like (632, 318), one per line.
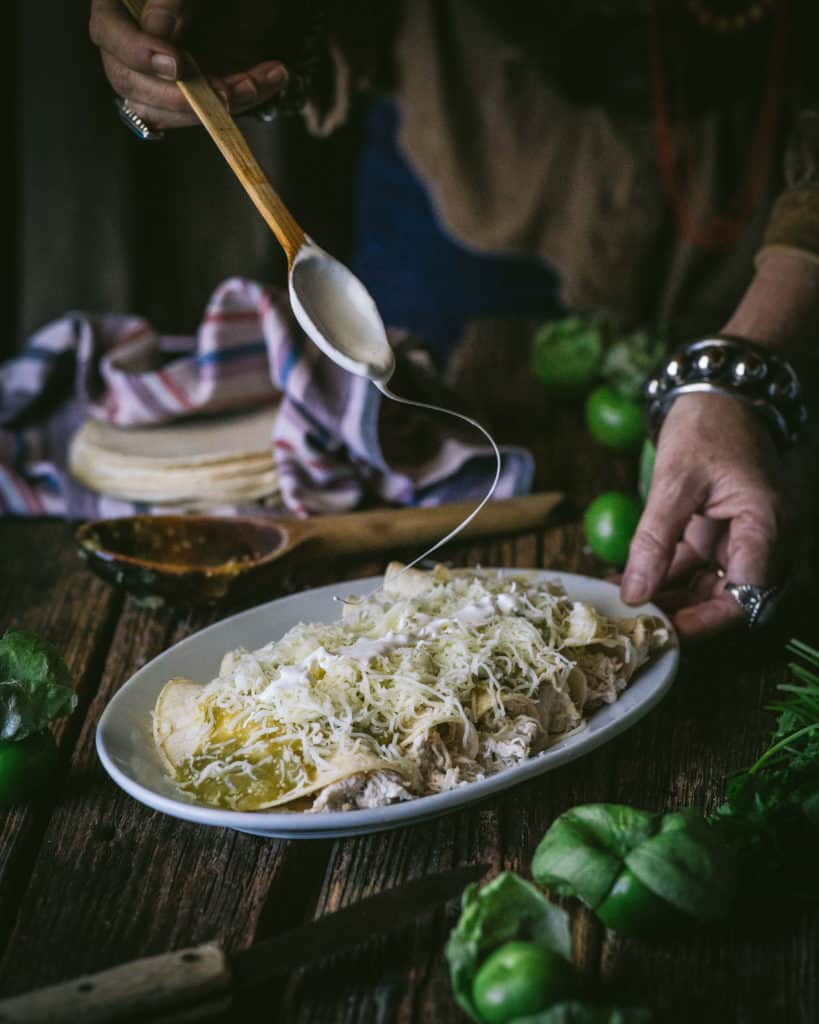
(758, 603)
(138, 126)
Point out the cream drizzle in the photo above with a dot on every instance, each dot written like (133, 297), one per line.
(365, 649)
(382, 387)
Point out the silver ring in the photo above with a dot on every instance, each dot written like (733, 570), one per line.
(138, 126)
(758, 603)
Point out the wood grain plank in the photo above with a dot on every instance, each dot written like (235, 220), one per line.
(130, 882)
(759, 970)
(709, 725)
(372, 986)
(47, 590)
(402, 977)
(114, 880)
(92, 878)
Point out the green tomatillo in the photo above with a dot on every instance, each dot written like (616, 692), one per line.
(520, 978)
(643, 874)
(609, 524)
(567, 354)
(26, 767)
(510, 950)
(35, 688)
(614, 420)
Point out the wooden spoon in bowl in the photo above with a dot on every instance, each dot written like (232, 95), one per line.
(198, 560)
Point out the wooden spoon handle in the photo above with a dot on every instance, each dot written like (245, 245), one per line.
(233, 146)
(382, 529)
(134, 991)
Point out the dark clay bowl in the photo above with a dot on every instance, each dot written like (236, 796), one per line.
(190, 560)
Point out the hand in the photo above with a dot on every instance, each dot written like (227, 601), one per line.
(143, 61)
(716, 502)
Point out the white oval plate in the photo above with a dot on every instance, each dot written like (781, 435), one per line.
(126, 748)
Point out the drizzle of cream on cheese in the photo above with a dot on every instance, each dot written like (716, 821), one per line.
(365, 649)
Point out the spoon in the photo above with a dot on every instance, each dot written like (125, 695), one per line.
(332, 306)
(206, 559)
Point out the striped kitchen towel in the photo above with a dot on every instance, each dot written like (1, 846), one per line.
(335, 442)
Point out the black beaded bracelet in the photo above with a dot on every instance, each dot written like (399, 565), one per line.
(730, 366)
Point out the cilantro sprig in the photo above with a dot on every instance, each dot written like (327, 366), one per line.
(771, 810)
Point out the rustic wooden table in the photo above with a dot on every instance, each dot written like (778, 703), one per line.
(90, 878)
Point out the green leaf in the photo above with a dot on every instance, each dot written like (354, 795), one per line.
(771, 810)
(505, 909)
(35, 685)
(687, 864)
(28, 657)
(585, 849)
(585, 1013)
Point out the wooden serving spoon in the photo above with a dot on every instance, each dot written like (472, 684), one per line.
(206, 559)
(330, 303)
(202, 559)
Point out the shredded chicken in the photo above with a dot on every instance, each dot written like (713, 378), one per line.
(514, 741)
(364, 789)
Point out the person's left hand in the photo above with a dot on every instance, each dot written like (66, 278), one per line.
(716, 503)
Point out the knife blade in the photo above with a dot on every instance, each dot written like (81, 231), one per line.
(186, 978)
(351, 926)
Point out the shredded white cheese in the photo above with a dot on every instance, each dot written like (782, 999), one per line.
(437, 685)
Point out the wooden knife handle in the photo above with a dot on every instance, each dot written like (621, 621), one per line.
(233, 146)
(137, 990)
(383, 529)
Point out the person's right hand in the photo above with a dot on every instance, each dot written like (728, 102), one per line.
(143, 61)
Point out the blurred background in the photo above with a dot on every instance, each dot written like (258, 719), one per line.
(103, 222)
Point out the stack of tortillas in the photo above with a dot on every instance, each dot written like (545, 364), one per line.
(198, 462)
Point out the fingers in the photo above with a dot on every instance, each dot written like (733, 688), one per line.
(161, 118)
(753, 547)
(142, 64)
(670, 601)
(702, 535)
(672, 501)
(141, 61)
(698, 551)
(147, 91)
(715, 497)
(164, 18)
(259, 84)
(134, 48)
(168, 108)
(707, 618)
(685, 561)
(751, 553)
